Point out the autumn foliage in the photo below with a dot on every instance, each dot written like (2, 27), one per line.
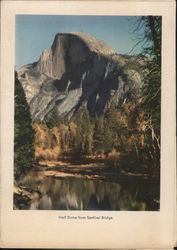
(119, 137)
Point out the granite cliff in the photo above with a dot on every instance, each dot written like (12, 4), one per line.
(79, 70)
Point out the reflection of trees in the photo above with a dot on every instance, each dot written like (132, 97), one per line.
(44, 203)
(80, 194)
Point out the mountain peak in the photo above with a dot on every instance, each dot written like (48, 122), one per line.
(93, 44)
(78, 70)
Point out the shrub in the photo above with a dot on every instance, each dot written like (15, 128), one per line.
(113, 158)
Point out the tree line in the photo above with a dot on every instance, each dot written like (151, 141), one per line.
(118, 137)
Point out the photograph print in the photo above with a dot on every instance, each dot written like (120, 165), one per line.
(87, 111)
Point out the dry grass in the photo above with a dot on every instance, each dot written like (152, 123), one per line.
(113, 158)
(47, 143)
(46, 154)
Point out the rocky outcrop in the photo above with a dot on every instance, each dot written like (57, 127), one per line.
(79, 70)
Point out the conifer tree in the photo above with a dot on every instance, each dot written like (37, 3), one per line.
(152, 86)
(23, 133)
(54, 120)
(108, 139)
(98, 135)
(86, 132)
(78, 138)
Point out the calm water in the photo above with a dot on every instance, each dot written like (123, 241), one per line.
(81, 194)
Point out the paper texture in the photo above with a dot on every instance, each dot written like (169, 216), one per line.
(46, 229)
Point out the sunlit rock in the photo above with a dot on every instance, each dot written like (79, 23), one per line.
(79, 70)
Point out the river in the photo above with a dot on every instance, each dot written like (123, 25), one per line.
(70, 193)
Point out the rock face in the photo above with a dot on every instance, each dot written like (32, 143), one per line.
(79, 70)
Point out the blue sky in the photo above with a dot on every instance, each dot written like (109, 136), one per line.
(34, 33)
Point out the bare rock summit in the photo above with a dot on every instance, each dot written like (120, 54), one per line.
(79, 70)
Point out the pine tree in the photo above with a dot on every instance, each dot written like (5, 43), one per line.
(108, 139)
(151, 92)
(86, 132)
(23, 133)
(55, 120)
(78, 138)
(114, 124)
(98, 135)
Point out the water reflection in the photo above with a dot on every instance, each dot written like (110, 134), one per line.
(81, 194)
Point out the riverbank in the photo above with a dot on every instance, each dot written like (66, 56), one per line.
(94, 171)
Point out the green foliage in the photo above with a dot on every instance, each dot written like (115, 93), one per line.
(54, 120)
(86, 132)
(83, 139)
(152, 87)
(152, 36)
(98, 135)
(78, 137)
(23, 133)
(108, 137)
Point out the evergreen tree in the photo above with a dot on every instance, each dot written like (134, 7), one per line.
(78, 138)
(114, 124)
(152, 86)
(108, 139)
(98, 135)
(86, 132)
(23, 133)
(55, 120)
